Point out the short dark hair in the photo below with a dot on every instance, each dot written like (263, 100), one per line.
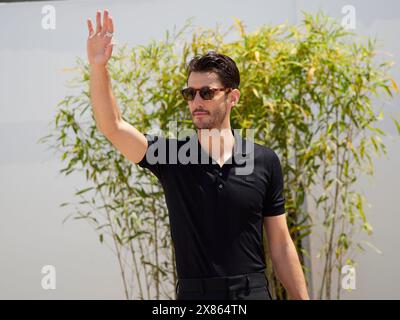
(221, 64)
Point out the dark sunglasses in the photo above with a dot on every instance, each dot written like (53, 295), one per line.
(206, 93)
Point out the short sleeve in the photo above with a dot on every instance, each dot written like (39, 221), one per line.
(274, 200)
(152, 159)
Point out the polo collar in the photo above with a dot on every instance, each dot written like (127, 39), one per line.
(240, 149)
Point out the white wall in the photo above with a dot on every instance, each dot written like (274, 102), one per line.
(32, 83)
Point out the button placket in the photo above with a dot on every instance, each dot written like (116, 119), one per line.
(219, 180)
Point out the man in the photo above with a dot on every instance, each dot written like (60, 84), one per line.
(216, 215)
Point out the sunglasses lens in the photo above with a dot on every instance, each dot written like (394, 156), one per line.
(206, 93)
(188, 94)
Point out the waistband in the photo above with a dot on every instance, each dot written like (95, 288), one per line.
(229, 283)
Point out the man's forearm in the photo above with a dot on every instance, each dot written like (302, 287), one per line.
(288, 269)
(105, 109)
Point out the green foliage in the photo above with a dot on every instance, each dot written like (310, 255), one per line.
(309, 92)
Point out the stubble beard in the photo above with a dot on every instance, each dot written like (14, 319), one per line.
(214, 120)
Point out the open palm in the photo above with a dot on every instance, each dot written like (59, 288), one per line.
(99, 45)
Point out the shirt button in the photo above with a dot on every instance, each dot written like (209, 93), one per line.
(220, 186)
(220, 174)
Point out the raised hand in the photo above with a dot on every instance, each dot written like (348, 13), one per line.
(99, 45)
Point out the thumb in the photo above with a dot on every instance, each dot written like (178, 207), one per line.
(108, 50)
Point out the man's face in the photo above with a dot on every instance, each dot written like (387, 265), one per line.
(208, 114)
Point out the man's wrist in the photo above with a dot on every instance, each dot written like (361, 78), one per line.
(98, 67)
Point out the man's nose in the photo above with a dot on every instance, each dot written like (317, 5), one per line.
(197, 98)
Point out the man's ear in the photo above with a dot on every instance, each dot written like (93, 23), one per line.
(235, 97)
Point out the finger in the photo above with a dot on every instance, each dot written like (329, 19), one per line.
(98, 21)
(110, 24)
(90, 26)
(105, 22)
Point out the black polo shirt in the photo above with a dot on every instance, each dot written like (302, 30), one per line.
(216, 213)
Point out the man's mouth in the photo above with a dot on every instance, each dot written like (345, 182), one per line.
(200, 113)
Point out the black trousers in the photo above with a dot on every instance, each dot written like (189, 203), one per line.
(250, 286)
